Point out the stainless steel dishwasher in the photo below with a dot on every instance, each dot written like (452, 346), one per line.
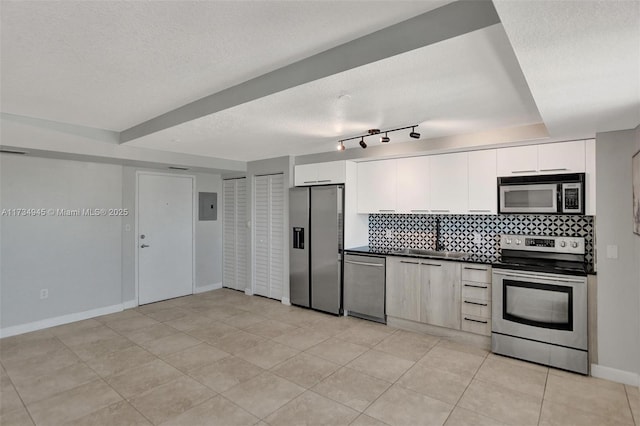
(364, 286)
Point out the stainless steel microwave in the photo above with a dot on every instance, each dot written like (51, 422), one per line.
(543, 194)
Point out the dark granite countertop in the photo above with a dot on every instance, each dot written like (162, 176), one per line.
(389, 251)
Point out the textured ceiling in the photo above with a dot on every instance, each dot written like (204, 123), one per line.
(113, 64)
(574, 65)
(449, 87)
(581, 59)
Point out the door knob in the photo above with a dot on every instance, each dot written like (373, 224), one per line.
(144, 246)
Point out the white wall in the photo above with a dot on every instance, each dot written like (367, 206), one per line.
(618, 278)
(78, 259)
(86, 263)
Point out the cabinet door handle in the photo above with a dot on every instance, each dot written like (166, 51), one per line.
(386, 210)
(475, 303)
(474, 320)
(310, 181)
(412, 263)
(475, 269)
(440, 210)
(430, 264)
(419, 210)
(476, 286)
(523, 171)
(480, 210)
(554, 170)
(324, 180)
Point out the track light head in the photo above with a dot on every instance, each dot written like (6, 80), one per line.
(385, 138)
(341, 146)
(363, 144)
(414, 134)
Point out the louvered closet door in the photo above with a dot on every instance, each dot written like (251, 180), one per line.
(234, 234)
(269, 233)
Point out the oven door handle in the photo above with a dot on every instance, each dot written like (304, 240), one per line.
(538, 277)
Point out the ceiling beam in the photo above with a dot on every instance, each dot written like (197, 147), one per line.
(451, 20)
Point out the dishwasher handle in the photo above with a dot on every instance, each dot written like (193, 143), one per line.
(377, 265)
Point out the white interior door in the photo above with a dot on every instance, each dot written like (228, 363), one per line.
(234, 201)
(268, 262)
(165, 237)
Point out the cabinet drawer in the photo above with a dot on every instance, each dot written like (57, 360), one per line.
(476, 325)
(477, 273)
(475, 290)
(476, 307)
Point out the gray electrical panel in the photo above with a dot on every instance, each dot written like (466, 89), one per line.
(208, 205)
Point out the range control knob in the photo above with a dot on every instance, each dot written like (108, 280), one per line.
(563, 243)
(574, 244)
(508, 240)
(518, 241)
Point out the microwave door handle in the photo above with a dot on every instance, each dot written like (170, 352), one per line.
(559, 199)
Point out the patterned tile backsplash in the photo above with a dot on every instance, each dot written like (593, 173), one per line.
(476, 234)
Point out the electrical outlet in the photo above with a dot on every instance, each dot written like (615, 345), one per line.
(388, 233)
(44, 293)
(477, 238)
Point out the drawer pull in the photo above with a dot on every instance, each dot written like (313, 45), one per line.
(430, 264)
(475, 303)
(476, 286)
(412, 263)
(377, 265)
(474, 320)
(475, 269)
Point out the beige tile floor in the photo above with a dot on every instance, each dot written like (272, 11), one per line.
(224, 358)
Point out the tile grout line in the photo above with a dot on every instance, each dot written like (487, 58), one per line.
(546, 379)
(15, 389)
(633, 417)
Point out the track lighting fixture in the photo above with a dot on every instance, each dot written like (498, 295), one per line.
(383, 139)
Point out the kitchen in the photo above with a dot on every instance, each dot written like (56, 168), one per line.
(436, 192)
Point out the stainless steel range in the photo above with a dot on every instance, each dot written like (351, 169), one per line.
(539, 298)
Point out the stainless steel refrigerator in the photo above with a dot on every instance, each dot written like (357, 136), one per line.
(315, 255)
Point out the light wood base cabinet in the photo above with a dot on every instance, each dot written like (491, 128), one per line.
(424, 290)
(403, 288)
(440, 293)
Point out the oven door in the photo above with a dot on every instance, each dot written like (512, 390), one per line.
(529, 198)
(547, 308)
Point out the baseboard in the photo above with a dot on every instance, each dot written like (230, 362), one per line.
(203, 289)
(129, 304)
(64, 319)
(248, 292)
(615, 375)
(286, 301)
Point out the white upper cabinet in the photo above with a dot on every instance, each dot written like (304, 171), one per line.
(483, 193)
(449, 178)
(550, 158)
(377, 186)
(320, 173)
(413, 185)
(564, 157)
(518, 160)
